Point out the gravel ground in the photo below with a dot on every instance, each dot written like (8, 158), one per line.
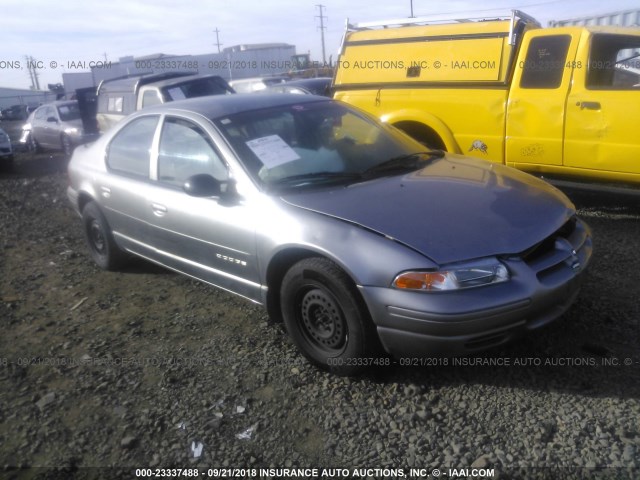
(148, 369)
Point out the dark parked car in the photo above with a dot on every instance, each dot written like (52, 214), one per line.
(344, 227)
(6, 150)
(54, 126)
(15, 112)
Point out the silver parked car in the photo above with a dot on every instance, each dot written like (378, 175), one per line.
(54, 126)
(255, 84)
(342, 226)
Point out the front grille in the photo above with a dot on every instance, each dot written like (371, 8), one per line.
(559, 254)
(548, 244)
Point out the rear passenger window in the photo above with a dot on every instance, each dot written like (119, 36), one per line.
(614, 62)
(130, 150)
(545, 62)
(186, 150)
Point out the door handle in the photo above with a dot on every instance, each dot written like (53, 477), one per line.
(589, 105)
(106, 192)
(158, 210)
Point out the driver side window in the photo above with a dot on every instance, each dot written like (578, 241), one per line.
(186, 150)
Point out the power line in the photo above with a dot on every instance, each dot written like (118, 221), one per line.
(496, 8)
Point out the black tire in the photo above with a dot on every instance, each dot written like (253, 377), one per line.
(32, 145)
(8, 164)
(102, 246)
(326, 318)
(66, 145)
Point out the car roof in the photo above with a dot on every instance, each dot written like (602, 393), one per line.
(310, 81)
(258, 79)
(216, 106)
(184, 79)
(129, 83)
(58, 103)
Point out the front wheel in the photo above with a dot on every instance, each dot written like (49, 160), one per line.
(326, 318)
(102, 246)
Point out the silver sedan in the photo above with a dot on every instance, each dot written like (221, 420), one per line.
(54, 126)
(345, 228)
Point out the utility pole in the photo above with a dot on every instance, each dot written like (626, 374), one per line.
(30, 68)
(218, 39)
(322, 29)
(33, 72)
(412, 16)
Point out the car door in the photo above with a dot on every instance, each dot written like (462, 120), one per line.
(603, 110)
(212, 239)
(123, 190)
(536, 105)
(51, 129)
(39, 124)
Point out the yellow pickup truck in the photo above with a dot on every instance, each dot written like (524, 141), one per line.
(551, 101)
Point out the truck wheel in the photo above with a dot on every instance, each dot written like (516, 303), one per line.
(325, 317)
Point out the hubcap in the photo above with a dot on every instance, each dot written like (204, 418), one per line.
(322, 319)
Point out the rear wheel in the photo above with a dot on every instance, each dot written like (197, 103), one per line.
(32, 145)
(102, 246)
(66, 145)
(326, 318)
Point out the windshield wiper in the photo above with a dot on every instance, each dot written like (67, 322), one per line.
(314, 178)
(411, 161)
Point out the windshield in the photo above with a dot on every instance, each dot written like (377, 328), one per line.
(314, 143)
(198, 87)
(69, 111)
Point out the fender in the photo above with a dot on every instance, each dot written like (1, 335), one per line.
(427, 119)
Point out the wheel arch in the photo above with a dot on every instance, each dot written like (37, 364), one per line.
(280, 264)
(423, 127)
(84, 198)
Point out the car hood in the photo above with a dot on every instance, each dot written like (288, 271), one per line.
(454, 209)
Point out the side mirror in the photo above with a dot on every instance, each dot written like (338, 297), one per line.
(204, 185)
(52, 120)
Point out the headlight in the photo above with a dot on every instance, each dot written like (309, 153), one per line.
(72, 131)
(454, 277)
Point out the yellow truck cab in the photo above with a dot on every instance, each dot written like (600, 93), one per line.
(561, 102)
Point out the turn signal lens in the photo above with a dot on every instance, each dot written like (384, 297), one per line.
(422, 280)
(476, 274)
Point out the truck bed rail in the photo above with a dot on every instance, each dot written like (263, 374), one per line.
(514, 16)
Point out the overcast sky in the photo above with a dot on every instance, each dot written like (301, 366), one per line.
(86, 30)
